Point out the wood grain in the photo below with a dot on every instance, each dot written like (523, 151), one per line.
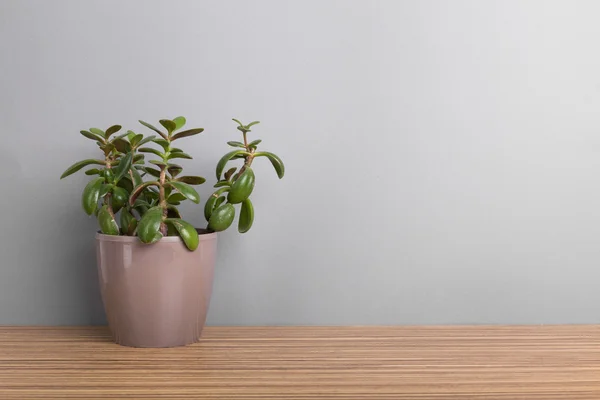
(502, 362)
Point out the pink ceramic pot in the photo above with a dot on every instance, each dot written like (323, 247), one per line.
(155, 295)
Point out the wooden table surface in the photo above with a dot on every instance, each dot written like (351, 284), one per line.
(503, 362)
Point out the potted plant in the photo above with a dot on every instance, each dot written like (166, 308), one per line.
(156, 269)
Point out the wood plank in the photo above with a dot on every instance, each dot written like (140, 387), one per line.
(449, 362)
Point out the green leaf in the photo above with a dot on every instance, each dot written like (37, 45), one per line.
(137, 178)
(107, 223)
(90, 195)
(168, 124)
(211, 203)
(176, 150)
(252, 123)
(185, 190)
(186, 231)
(123, 167)
(93, 136)
(146, 140)
(239, 123)
(158, 162)
(93, 171)
(119, 198)
(149, 226)
(242, 187)
(246, 216)
(179, 154)
(163, 143)
(229, 173)
(222, 184)
(174, 170)
(135, 139)
(223, 161)
(98, 132)
(139, 189)
(176, 198)
(128, 223)
(138, 159)
(189, 132)
(192, 180)
(253, 144)
(121, 145)
(236, 144)
(104, 189)
(106, 148)
(221, 218)
(147, 125)
(276, 161)
(126, 184)
(112, 129)
(78, 165)
(151, 150)
(220, 201)
(179, 122)
(152, 171)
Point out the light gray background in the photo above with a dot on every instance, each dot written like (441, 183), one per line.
(442, 156)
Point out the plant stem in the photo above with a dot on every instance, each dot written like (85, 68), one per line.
(107, 198)
(162, 199)
(249, 158)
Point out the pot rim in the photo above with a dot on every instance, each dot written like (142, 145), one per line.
(203, 236)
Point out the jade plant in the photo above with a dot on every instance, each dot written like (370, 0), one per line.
(146, 196)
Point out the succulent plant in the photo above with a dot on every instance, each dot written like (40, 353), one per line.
(148, 208)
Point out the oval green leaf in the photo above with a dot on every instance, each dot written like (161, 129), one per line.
(189, 132)
(221, 218)
(211, 203)
(152, 171)
(119, 198)
(123, 167)
(147, 125)
(192, 180)
(93, 136)
(135, 139)
(146, 140)
(236, 144)
(93, 171)
(174, 170)
(223, 161)
(246, 216)
(139, 189)
(180, 154)
(98, 132)
(176, 198)
(185, 190)
(186, 231)
(276, 161)
(128, 223)
(168, 124)
(149, 226)
(151, 150)
(121, 145)
(78, 165)
(242, 187)
(162, 143)
(112, 129)
(107, 223)
(91, 194)
(179, 122)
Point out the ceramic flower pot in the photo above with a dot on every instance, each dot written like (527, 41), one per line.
(155, 295)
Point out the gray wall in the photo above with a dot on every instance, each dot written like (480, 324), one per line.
(442, 157)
